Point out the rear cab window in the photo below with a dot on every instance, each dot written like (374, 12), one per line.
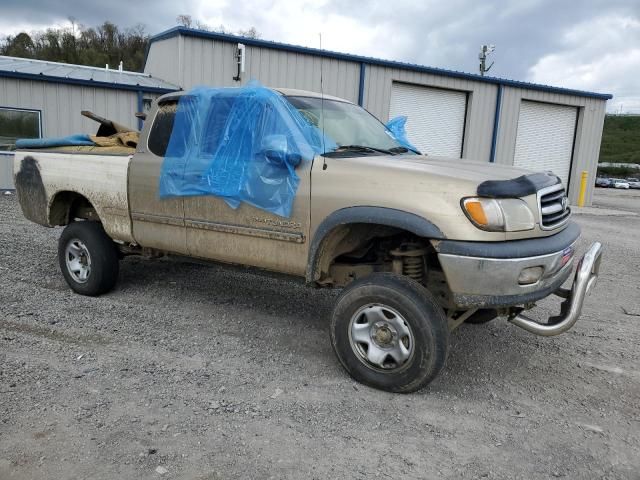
(162, 127)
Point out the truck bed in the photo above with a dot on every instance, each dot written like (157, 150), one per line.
(43, 178)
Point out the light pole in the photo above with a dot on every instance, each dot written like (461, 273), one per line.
(485, 51)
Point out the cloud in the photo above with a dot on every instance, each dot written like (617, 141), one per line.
(587, 44)
(29, 15)
(599, 54)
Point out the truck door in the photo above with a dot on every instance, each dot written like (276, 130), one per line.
(157, 223)
(251, 236)
(248, 235)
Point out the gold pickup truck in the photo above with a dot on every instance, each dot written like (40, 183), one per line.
(418, 244)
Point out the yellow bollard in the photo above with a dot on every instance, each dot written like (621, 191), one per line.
(583, 188)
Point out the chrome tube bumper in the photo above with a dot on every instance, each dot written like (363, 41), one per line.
(584, 280)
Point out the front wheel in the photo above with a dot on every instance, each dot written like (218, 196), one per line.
(390, 333)
(88, 258)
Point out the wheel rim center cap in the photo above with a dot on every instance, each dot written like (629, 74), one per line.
(383, 334)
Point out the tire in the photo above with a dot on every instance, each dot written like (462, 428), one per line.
(484, 315)
(88, 258)
(413, 317)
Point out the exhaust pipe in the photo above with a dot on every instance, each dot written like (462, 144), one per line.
(570, 309)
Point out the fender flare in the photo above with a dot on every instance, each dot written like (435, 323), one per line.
(389, 217)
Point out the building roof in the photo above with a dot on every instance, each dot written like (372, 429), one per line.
(25, 68)
(189, 32)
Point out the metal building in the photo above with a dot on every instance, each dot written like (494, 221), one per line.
(451, 113)
(39, 99)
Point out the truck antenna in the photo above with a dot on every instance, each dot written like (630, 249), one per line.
(324, 159)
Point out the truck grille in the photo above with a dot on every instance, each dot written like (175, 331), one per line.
(554, 210)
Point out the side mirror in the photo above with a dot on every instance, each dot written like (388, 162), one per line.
(276, 149)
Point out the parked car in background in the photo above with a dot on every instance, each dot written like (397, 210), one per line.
(621, 184)
(634, 185)
(602, 182)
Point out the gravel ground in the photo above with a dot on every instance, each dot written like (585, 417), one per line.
(189, 371)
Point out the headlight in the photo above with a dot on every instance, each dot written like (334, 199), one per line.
(498, 215)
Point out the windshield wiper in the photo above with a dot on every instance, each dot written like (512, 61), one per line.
(364, 148)
(399, 149)
(403, 150)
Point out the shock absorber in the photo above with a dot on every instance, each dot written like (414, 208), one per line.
(408, 259)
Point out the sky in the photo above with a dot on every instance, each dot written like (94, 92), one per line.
(589, 45)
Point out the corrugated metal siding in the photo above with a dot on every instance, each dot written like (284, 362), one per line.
(588, 133)
(209, 62)
(587, 147)
(60, 106)
(480, 109)
(162, 60)
(6, 171)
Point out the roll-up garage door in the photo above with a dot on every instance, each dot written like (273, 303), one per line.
(545, 138)
(435, 117)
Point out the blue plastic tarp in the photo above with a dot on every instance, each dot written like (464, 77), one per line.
(71, 140)
(240, 144)
(397, 128)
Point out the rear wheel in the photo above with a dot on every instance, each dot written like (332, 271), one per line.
(88, 258)
(389, 333)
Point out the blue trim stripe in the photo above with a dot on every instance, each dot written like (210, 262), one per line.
(363, 71)
(496, 124)
(84, 83)
(140, 108)
(175, 31)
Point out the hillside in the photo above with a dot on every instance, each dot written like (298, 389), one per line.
(621, 139)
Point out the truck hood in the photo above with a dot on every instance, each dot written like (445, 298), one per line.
(430, 187)
(468, 171)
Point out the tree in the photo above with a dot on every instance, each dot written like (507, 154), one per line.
(187, 22)
(19, 46)
(184, 20)
(249, 33)
(104, 44)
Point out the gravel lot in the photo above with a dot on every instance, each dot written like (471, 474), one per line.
(189, 371)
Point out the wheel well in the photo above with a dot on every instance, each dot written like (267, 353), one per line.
(353, 242)
(66, 206)
(355, 250)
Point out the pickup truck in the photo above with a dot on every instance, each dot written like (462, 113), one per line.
(418, 244)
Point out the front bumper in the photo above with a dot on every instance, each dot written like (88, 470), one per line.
(492, 280)
(488, 274)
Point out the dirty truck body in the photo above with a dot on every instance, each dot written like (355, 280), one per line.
(420, 244)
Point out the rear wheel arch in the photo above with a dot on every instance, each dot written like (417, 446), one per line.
(65, 206)
(333, 230)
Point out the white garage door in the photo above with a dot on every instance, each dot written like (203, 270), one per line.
(545, 138)
(435, 117)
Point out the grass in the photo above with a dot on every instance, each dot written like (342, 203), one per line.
(620, 139)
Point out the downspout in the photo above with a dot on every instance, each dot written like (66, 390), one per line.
(496, 123)
(140, 108)
(361, 86)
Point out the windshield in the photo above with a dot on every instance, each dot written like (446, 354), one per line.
(350, 126)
